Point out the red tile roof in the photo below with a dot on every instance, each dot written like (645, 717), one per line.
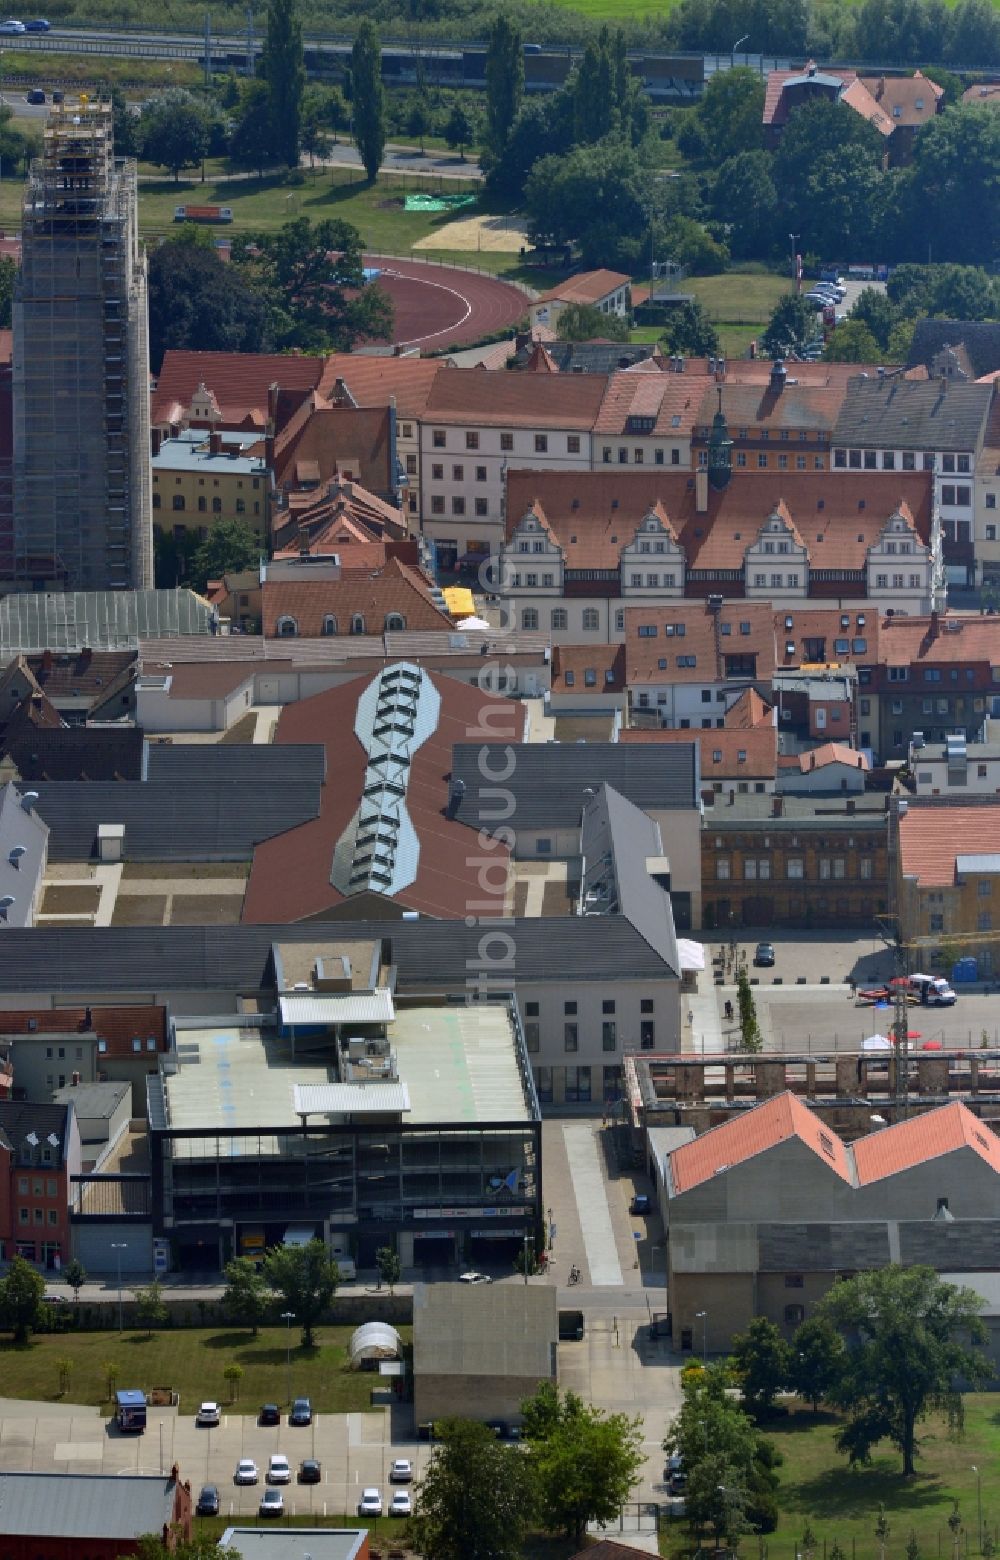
(853, 92)
(983, 92)
(775, 1121)
(698, 643)
(398, 588)
(374, 381)
(798, 408)
(748, 711)
(831, 753)
(118, 1026)
(585, 287)
(947, 639)
(673, 400)
(239, 381)
(908, 100)
(799, 625)
(913, 1142)
(930, 838)
(290, 876)
(581, 659)
(476, 397)
(319, 441)
(759, 749)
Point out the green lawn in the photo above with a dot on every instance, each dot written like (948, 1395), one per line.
(190, 1360)
(738, 297)
(818, 1488)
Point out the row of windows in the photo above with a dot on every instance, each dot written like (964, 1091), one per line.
(457, 473)
(577, 1084)
(765, 462)
(590, 623)
(757, 869)
(984, 922)
(39, 1188)
(868, 460)
(777, 581)
(288, 628)
(608, 1007)
(24, 1216)
(589, 675)
(638, 456)
(898, 582)
(439, 439)
(215, 481)
(458, 506)
(179, 504)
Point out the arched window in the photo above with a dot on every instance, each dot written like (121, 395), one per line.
(287, 628)
(357, 624)
(529, 618)
(329, 624)
(394, 621)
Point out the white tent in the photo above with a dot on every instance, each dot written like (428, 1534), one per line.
(877, 1043)
(474, 622)
(375, 1341)
(691, 954)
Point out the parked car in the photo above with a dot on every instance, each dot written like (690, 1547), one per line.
(278, 1471)
(640, 1203)
(401, 1471)
(38, 25)
(310, 1471)
(246, 1471)
(269, 1414)
(499, 1428)
(472, 1277)
(57, 97)
(12, 26)
(36, 95)
(370, 1504)
(301, 1412)
(208, 1414)
(272, 1504)
(401, 1505)
(208, 1501)
(763, 956)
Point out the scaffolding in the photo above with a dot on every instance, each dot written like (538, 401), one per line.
(82, 500)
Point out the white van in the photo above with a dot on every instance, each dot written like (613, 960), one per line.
(933, 991)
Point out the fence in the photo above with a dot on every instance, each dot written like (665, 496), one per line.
(934, 1542)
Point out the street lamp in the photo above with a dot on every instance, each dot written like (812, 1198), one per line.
(119, 1246)
(288, 1318)
(979, 1504)
(794, 237)
(744, 39)
(702, 1316)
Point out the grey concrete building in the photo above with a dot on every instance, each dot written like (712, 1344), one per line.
(103, 1111)
(24, 849)
(479, 1351)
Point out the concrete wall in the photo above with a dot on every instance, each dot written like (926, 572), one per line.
(727, 1299)
(471, 1397)
(46, 1062)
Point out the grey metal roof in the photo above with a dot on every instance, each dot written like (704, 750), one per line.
(204, 820)
(92, 1099)
(429, 955)
(349, 1099)
(100, 619)
(982, 863)
(617, 839)
(912, 414)
(184, 762)
(84, 1505)
(548, 780)
(503, 1330)
(273, 1543)
(335, 1007)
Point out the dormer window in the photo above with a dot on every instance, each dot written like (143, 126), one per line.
(357, 624)
(287, 628)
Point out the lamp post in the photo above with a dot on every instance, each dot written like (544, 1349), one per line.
(793, 238)
(979, 1504)
(119, 1247)
(744, 39)
(288, 1318)
(702, 1316)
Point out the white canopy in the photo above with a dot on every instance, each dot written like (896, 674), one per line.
(474, 622)
(375, 1341)
(691, 954)
(877, 1043)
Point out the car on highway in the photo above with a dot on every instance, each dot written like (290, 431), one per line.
(36, 96)
(269, 1414)
(301, 1412)
(640, 1203)
(208, 1501)
(278, 1471)
(472, 1277)
(370, 1504)
(401, 1471)
(763, 956)
(246, 1471)
(12, 26)
(401, 1505)
(38, 25)
(208, 1414)
(310, 1471)
(272, 1504)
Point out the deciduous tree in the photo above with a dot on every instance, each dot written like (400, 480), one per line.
(22, 1297)
(690, 332)
(817, 1359)
(368, 98)
(731, 113)
(246, 1296)
(586, 1461)
(229, 547)
(791, 326)
(583, 322)
(389, 1266)
(851, 342)
(174, 131)
(306, 1279)
(284, 73)
(75, 1275)
(459, 127)
(311, 281)
(150, 1306)
(198, 303)
(504, 82)
(761, 1364)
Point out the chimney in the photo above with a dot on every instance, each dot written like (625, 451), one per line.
(715, 605)
(861, 761)
(303, 541)
(720, 370)
(701, 490)
(86, 656)
(75, 1080)
(46, 660)
(776, 383)
(215, 443)
(155, 439)
(812, 760)
(880, 89)
(935, 626)
(776, 805)
(88, 1018)
(28, 800)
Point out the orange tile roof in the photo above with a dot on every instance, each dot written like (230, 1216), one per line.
(372, 381)
(916, 97)
(749, 711)
(398, 588)
(775, 1121)
(798, 408)
(239, 381)
(948, 638)
(759, 749)
(643, 653)
(826, 624)
(674, 400)
(585, 287)
(580, 659)
(930, 838)
(983, 92)
(831, 753)
(475, 396)
(118, 1026)
(913, 1142)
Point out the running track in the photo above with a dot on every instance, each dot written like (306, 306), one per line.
(440, 306)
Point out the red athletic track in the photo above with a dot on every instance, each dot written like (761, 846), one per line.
(441, 306)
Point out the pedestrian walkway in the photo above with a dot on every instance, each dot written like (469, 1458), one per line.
(590, 1192)
(703, 1033)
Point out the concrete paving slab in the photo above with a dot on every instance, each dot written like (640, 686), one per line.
(590, 1192)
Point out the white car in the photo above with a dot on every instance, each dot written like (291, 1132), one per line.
(370, 1504)
(12, 26)
(401, 1471)
(401, 1505)
(278, 1471)
(208, 1414)
(246, 1471)
(473, 1277)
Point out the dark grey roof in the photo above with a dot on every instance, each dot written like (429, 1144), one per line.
(18, 1118)
(548, 780)
(184, 762)
(84, 1505)
(980, 338)
(68, 753)
(208, 820)
(92, 1099)
(430, 955)
(591, 357)
(617, 839)
(812, 812)
(99, 619)
(914, 414)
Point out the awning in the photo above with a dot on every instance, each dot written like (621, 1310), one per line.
(691, 954)
(350, 1099)
(877, 1043)
(337, 1007)
(458, 600)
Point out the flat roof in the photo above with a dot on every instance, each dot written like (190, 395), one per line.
(85, 1506)
(475, 1330)
(190, 451)
(337, 1007)
(292, 1543)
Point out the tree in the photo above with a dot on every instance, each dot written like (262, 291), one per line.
(369, 98)
(418, 120)
(389, 1266)
(750, 1037)
(110, 1372)
(595, 195)
(582, 322)
(851, 342)
(229, 547)
(283, 71)
(791, 326)
(900, 342)
(586, 1461)
(762, 1362)
(459, 127)
(731, 112)
(817, 1359)
(306, 1279)
(874, 309)
(720, 1445)
(22, 1299)
(174, 131)
(745, 200)
(251, 141)
(233, 1375)
(201, 1547)
(690, 332)
(905, 1332)
(124, 124)
(196, 302)
(303, 272)
(150, 1307)
(245, 1297)
(504, 82)
(75, 1275)
(476, 1496)
(956, 166)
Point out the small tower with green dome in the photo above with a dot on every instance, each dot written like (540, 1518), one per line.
(720, 450)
